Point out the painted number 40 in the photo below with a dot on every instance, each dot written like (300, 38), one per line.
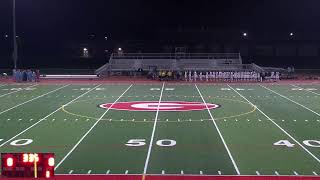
(310, 143)
(142, 142)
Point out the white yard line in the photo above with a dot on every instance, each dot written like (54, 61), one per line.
(291, 100)
(17, 90)
(218, 130)
(82, 138)
(153, 132)
(304, 148)
(32, 99)
(47, 116)
(305, 89)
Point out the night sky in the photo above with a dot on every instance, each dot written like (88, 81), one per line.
(53, 30)
(65, 18)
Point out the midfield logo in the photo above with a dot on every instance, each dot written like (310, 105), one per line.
(163, 106)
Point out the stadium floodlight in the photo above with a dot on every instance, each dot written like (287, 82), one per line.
(15, 46)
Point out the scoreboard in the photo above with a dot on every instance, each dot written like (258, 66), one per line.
(25, 165)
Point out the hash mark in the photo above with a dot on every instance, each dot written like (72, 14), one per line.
(71, 171)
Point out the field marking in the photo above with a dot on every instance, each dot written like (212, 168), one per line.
(290, 100)
(218, 130)
(304, 148)
(32, 99)
(46, 117)
(305, 90)
(17, 90)
(152, 135)
(82, 138)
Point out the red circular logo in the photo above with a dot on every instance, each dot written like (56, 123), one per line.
(162, 106)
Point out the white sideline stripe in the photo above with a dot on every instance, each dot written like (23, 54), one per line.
(82, 138)
(46, 117)
(315, 173)
(17, 90)
(153, 132)
(290, 100)
(32, 99)
(305, 90)
(221, 137)
(277, 126)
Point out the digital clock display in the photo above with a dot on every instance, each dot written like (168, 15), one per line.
(27, 165)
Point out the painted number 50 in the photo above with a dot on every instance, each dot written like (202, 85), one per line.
(142, 142)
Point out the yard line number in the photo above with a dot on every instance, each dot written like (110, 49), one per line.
(20, 142)
(142, 142)
(287, 143)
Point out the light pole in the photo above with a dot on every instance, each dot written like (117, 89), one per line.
(15, 46)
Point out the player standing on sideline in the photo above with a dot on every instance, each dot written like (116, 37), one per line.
(190, 76)
(207, 76)
(37, 75)
(195, 76)
(277, 76)
(200, 76)
(14, 75)
(186, 75)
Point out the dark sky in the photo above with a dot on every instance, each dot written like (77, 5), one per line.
(64, 18)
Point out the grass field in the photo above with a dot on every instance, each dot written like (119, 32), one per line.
(267, 129)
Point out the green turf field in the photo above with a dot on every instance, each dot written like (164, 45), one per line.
(257, 130)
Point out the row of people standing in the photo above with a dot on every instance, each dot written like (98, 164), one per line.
(26, 75)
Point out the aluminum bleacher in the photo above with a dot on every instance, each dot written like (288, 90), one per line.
(130, 62)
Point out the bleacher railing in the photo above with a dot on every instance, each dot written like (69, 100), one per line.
(175, 56)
